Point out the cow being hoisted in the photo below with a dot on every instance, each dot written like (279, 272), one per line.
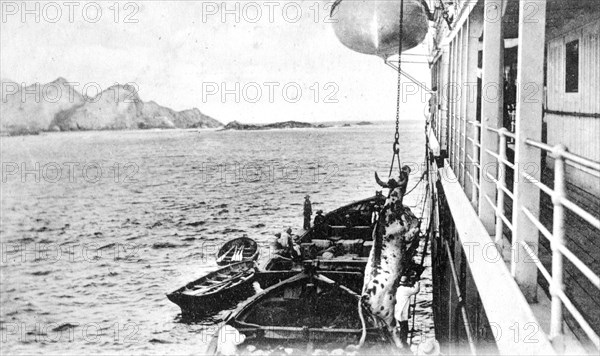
(395, 237)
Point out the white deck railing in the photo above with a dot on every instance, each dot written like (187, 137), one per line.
(557, 238)
(477, 153)
(560, 201)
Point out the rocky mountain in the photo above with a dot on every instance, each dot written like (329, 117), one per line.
(234, 125)
(59, 107)
(193, 118)
(31, 109)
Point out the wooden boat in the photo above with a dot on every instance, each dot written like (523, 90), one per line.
(346, 230)
(347, 227)
(236, 250)
(305, 312)
(216, 291)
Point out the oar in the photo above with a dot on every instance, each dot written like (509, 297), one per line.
(225, 254)
(234, 256)
(229, 278)
(221, 285)
(240, 254)
(211, 289)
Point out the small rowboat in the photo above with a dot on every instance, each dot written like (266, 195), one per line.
(215, 291)
(237, 250)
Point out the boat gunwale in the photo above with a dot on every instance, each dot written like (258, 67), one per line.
(337, 211)
(270, 328)
(180, 291)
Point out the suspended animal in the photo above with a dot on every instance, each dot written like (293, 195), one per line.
(373, 27)
(394, 239)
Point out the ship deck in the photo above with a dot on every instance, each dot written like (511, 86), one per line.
(581, 239)
(526, 184)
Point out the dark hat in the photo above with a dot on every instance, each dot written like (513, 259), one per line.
(319, 211)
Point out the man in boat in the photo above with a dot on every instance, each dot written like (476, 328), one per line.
(276, 246)
(307, 212)
(280, 245)
(376, 206)
(348, 220)
(319, 218)
(284, 245)
(287, 233)
(375, 209)
(293, 244)
(408, 287)
(319, 225)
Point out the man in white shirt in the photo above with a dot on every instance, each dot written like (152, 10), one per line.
(405, 291)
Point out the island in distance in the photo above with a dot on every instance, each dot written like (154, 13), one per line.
(57, 106)
(235, 125)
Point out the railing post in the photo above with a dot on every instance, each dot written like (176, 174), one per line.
(451, 101)
(459, 112)
(558, 239)
(444, 100)
(451, 140)
(475, 191)
(456, 147)
(530, 89)
(491, 106)
(466, 44)
(475, 28)
(454, 120)
(501, 177)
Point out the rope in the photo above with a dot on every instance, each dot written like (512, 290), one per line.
(423, 254)
(427, 233)
(363, 336)
(396, 150)
(416, 185)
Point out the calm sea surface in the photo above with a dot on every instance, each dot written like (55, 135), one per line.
(97, 226)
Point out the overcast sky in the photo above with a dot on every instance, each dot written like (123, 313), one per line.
(182, 54)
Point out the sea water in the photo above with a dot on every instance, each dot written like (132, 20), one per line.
(96, 227)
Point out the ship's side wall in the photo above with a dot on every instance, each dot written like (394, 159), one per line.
(450, 330)
(496, 197)
(477, 304)
(573, 118)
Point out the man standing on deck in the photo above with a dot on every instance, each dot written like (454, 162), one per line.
(307, 212)
(408, 288)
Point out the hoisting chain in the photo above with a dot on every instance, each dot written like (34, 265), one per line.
(396, 149)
